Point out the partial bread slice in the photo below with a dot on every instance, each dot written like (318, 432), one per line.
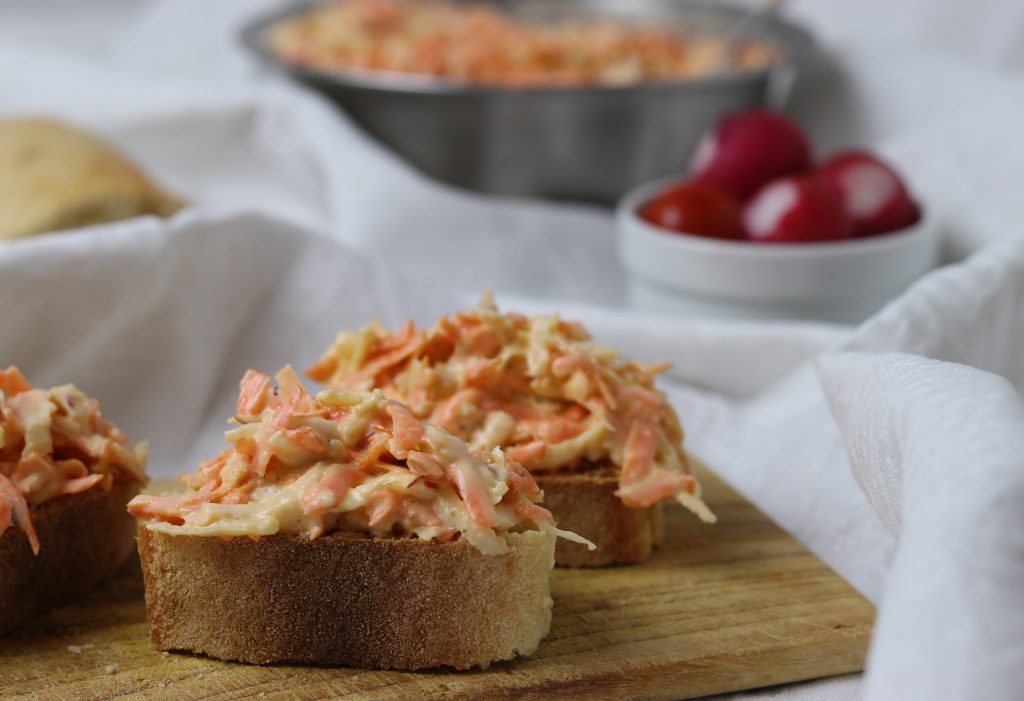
(54, 177)
(347, 599)
(584, 502)
(83, 541)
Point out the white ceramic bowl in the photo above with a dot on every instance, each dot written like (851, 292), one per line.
(841, 282)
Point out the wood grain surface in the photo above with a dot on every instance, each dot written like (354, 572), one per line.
(731, 606)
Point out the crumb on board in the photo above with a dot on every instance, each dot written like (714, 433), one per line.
(110, 668)
(77, 649)
(165, 653)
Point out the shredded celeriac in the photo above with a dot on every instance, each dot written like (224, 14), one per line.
(538, 388)
(309, 465)
(55, 442)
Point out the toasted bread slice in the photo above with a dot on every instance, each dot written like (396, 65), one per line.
(584, 502)
(347, 599)
(84, 539)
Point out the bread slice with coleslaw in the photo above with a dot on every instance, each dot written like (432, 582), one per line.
(66, 475)
(340, 529)
(600, 439)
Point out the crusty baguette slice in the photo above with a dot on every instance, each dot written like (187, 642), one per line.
(347, 599)
(584, 502)
(83, 540)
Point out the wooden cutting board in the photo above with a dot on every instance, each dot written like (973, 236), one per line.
(733, 606)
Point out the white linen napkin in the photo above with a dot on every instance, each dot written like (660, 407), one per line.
(939, 450)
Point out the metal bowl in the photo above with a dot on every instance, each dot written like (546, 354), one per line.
(585, 143)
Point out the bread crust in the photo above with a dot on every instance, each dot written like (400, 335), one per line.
(584, 502)
(83, 541)
(347, 599)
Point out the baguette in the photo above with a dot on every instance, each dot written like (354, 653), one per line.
(347, 599)
(584, 502)
(84, 540)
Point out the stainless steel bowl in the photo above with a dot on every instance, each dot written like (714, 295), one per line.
(586, 143)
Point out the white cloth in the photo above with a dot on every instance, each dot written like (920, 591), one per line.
(939, 450)
(986, 31)
(159, 320)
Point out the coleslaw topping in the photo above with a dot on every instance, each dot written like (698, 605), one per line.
(537, 387)
(475, 44)
(55, 442)
(308, 465)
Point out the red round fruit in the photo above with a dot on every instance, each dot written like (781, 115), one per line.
(796, 210)
(696, 208)
(746, 150)
(874, 197)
